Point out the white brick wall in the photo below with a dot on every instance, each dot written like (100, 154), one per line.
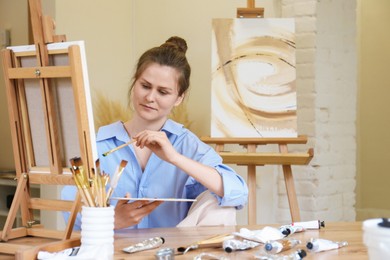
(327, 95)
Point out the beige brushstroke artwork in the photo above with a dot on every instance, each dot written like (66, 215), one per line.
(253, 89)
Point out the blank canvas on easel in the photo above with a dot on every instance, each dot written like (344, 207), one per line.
(253, 92)
(33, 110)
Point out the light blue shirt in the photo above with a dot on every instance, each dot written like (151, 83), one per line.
(161, 179)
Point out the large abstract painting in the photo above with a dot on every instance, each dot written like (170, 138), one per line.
(253, 78)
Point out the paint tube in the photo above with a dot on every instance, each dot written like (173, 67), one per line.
(231, 245)
(209, 256)
(150, 243)
(278, 246)
(297, 255)
(319, 245)
(313, 224)
(61, 254)
(291, 229)
(165, 254)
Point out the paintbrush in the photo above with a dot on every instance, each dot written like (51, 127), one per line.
(79, 187)
(212, 242)
(100, 186)
(83, 179)
(115, 179)
(77, 162)
(119, 147)
(92, 183)
(83, 187)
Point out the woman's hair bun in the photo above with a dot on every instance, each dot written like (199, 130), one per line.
(176, 42)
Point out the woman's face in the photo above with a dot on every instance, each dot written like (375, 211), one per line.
(155, 92)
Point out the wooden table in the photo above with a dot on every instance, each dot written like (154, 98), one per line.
(176, 237)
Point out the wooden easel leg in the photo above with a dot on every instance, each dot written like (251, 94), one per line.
(291, 194)
(290, 188)
(252, 195)
(27, 213)
(19, 196)
(72, 218)
(252, 211)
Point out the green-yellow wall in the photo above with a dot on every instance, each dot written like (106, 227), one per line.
(373, 124)
(18, 26)
(117, 34)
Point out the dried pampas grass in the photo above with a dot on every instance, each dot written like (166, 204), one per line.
(107, 111)
(179, 114)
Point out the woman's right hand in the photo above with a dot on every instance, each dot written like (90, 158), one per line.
(130, 214)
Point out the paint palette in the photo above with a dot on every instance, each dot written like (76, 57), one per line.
(155, 199)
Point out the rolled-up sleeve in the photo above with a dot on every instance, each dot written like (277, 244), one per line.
(235, 187)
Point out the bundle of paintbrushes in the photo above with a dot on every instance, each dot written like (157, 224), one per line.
(93, 188)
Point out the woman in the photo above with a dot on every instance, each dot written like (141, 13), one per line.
(166, 160)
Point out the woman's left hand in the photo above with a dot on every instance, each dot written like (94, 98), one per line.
(157, 142)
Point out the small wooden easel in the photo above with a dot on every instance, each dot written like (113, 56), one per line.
(52, 172)
(251, 158)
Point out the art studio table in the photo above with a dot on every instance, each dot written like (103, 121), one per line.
(177, 237)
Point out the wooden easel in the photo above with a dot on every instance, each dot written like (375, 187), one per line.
(27, 172)
(251, 11)
(252, 158)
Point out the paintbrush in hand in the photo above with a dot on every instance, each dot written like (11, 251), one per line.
(119, 147)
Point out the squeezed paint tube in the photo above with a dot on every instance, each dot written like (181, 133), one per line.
(313, 224)
(209, 256)
(61, 254)
(231, 245)
(318, 245)
(165, 254)
(278, 246)
(291, 229)
(297, 255)
(150, 243)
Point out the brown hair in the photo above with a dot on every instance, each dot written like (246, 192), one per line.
(172, 53)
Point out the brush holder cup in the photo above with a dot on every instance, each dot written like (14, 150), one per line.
(97, 230)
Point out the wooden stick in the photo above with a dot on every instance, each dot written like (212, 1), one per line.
(119, 147)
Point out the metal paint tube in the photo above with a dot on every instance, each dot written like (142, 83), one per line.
(165, 254)
(210, 256)
(278, 246)
(150, 243)
(291, 229)
(313, 224)
(61, 254)
(319, 245)
(296, 255)
(231, 245)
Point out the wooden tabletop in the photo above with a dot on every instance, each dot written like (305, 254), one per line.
(177, 237)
